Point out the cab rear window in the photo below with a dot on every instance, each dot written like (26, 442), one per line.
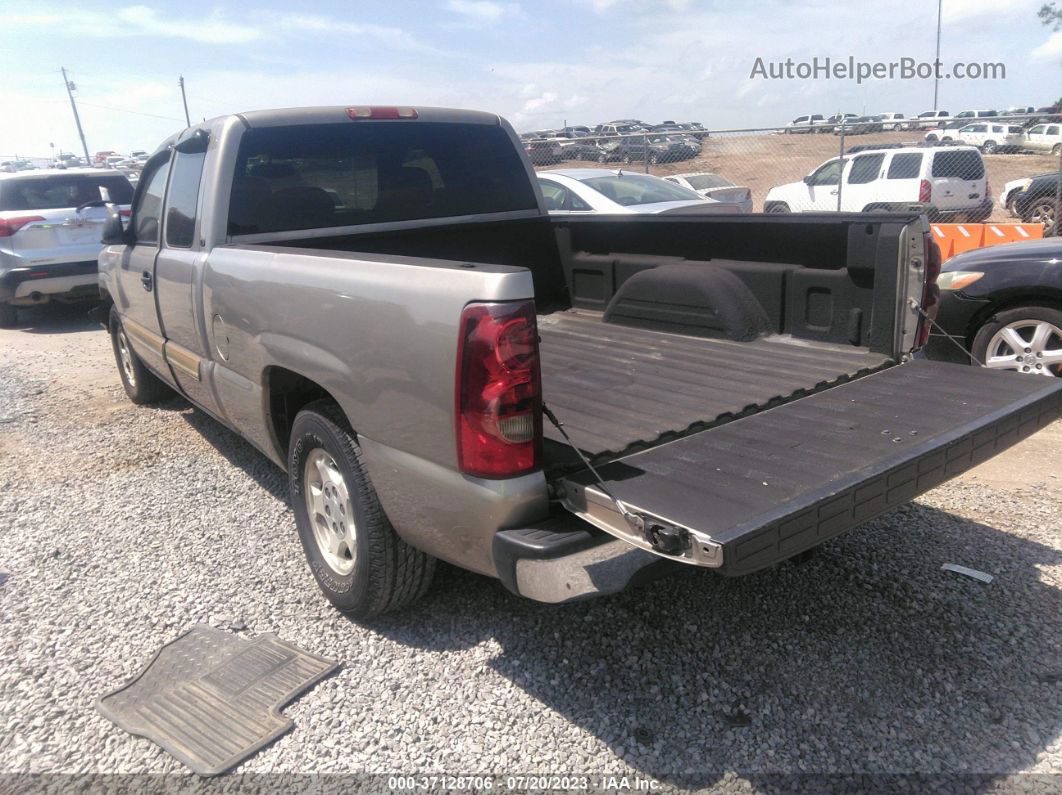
(60, 192)
(328, 175)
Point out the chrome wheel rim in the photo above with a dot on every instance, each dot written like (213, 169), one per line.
(125, 354)
(1043, 213)
(328, 504)
(1033, 347)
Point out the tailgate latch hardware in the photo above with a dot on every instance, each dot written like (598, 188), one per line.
(666, 538)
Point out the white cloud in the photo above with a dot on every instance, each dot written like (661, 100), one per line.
(477, 9)
(393, 37)
(962, 11)
(214, 29)
(1050, 49)
(139, 20)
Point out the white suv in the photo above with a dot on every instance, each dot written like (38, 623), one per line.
(1043, 138)
(944, 182)
(50, 226)
(991, 137)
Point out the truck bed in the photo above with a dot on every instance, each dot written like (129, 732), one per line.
(620, 388)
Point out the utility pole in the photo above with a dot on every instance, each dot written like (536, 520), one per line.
(77, 119)
(184, 99)
(936, 63)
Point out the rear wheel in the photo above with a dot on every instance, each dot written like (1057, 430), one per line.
(141, 385)
(777, 208)
(359, 562)
(1026, 339)
(1056, 150)
(1043, 212)
(627, 159)
(8, 316)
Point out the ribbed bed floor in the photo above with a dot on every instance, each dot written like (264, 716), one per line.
(616, 386)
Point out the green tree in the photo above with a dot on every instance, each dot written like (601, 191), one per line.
(1051, 15)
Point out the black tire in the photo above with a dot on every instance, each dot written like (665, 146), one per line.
(140, 384)
(988, 147)
(387, 574)
(1056, 149)
(654, 158)
(1002, 319)
(1010, 208)
(627, 159)
(8, 316)
(1043, 211)
(778, 208)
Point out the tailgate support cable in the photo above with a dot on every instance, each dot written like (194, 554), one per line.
(918, 307)
(633, 520)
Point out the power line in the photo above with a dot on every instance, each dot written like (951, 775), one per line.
(133, 112)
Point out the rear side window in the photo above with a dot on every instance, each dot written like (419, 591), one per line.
(148, 209)
(60, 192)
(963, 164)
(865, 169)
(905, 166)
(1053, 130)
(182, 199)
(325, 175)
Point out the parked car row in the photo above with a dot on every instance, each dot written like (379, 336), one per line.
(622, 140)
(854, 124)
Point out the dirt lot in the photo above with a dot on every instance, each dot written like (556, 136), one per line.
(763, 161)
(121, 527)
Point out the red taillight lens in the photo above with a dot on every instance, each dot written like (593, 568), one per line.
(8, 226)
(930, 292)
(381, 112)
(498, 391)
(925, 191)
(126, 213)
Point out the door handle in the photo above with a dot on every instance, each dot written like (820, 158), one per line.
(146, 280)
(833, 192)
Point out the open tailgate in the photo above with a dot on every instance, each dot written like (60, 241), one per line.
(743, 495)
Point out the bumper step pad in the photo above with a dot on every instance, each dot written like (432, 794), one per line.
(211, 699)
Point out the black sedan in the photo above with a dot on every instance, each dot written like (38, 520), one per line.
(1038, 203)
(1003, 304)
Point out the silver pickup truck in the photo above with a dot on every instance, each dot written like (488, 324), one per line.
(377, 300)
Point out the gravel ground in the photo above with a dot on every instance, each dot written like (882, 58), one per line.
(120, 527)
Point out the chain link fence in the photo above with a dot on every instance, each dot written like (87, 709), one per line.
(1000, 168)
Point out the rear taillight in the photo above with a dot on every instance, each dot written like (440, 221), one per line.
(381, 112)
(498, 391)
(8, 226)
(930, 292)
(125, 213)
(925, 191)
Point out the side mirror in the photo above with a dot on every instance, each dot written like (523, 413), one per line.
(807, 179)
(113, 232)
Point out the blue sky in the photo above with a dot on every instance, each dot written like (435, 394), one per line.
(537, 63)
